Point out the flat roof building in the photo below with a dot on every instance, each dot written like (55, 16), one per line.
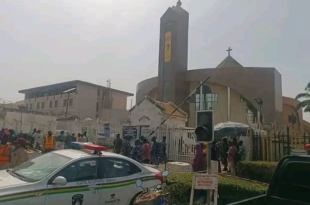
(78, 98)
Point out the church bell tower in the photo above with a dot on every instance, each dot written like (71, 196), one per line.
(173, 55)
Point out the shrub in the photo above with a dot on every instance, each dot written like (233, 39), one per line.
(257, 170)
(229, 190)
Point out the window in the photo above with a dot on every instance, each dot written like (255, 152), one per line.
(113, 167)
(293, 183)
(80, 171)
(30, 107)
(71, 102)
(38, 105)
(250, 116)
(97, 107)
(56, 103)
(98, 92)
(40, 167)
(51, 104)
(26, 106)
(65, 103)
(42, 105)
(207, 101)
(207, 98)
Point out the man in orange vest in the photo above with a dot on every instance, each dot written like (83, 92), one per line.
(49, 142)
(5, 152)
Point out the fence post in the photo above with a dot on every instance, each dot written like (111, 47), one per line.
(288, 141)
(263, 147)
(283, 144)
(279, 146)
(260, 147)
(275, 146)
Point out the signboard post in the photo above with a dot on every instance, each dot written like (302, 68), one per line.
(207, 182)
(205, 134)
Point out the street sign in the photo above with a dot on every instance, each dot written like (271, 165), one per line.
(206, 182)
(130, 131)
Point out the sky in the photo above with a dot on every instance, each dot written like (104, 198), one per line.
(44, 42)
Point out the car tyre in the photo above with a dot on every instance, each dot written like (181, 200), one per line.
(134, 198)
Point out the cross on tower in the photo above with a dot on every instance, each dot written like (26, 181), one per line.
(229, 50)
(179, 3)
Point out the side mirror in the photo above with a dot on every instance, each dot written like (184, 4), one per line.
(139, 183)
(61, 181)
(165, 173)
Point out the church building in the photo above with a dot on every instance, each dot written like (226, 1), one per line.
(234, 92)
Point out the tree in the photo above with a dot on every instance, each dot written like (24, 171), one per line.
(305, 96)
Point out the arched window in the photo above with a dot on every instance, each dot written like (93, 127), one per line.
(207, 98)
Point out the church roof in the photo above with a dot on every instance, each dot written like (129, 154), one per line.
(229, 62)
(167, 107)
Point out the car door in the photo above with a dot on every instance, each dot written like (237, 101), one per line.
(81, 185)
(119, 180)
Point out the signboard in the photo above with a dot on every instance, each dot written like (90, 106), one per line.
(206, 182)
(167, 52)
(104, 131)
(130, 131)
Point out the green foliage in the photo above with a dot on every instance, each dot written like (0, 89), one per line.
(257, 170)
(305, 103)
(230, 189)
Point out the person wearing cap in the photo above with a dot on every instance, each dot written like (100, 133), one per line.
(49, 142)
(5, 152)
(19, 154)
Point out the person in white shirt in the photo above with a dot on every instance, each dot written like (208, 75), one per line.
(38, 139)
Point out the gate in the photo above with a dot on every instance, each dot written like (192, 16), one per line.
(180, 143)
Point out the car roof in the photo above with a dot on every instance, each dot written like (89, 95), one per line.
(76, 153)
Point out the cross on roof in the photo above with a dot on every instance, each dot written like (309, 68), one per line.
(179, 3)
(229, 50)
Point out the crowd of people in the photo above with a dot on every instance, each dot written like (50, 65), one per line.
(13, 150)
(51, 142)
(227, 153)
(143, 151)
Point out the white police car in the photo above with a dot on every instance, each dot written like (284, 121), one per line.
(76, 177)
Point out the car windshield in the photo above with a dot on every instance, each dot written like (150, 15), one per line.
(38, 168)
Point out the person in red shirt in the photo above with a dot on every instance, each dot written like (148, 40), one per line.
(146, 152)
(232, 156)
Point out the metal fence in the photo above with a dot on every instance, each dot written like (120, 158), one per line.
(275, 145)
(180, 142)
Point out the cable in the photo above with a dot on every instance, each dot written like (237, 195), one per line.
(185, 99)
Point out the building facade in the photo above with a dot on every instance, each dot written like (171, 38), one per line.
(25, 121)
(250, 95)
(150, 113)
(78, 98)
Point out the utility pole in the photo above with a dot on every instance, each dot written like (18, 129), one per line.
(110, 99)
(21, 108)
(68, 98)
(67, 105)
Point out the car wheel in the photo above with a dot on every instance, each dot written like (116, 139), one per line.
(134, 198)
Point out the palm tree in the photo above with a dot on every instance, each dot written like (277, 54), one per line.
(306, 99)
